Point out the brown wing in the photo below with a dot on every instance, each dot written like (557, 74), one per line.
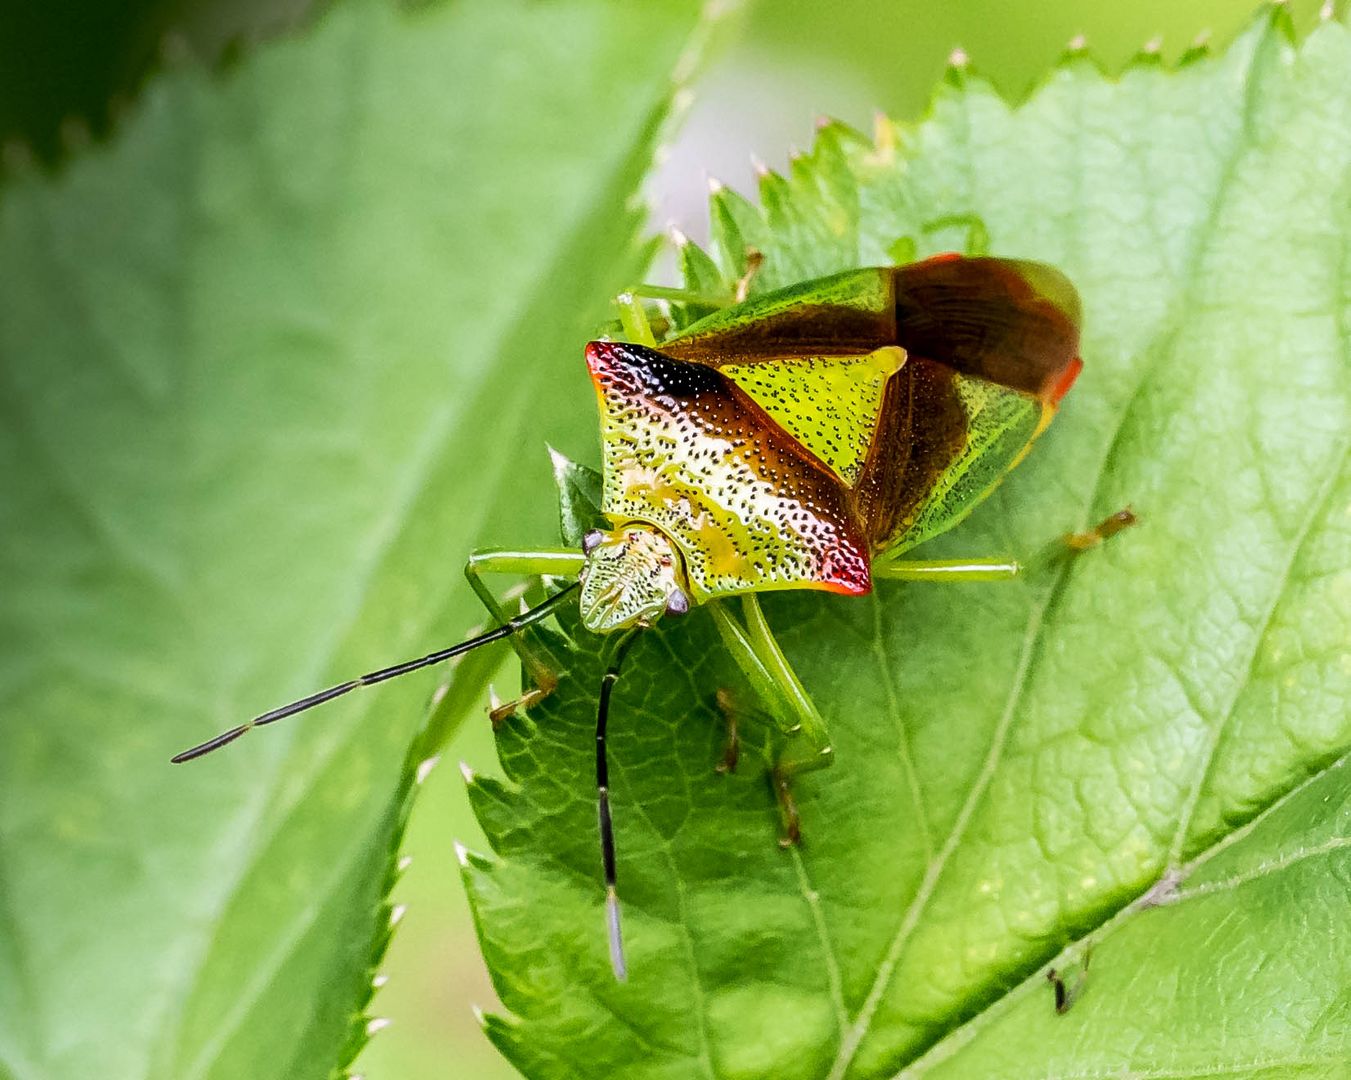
(992, 346)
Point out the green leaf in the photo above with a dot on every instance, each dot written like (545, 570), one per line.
(1138, 750)
(579, 491)
(274, 362)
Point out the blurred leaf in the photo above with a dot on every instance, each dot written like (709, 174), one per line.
(68, 68)
(272, 364)
(1134, 750)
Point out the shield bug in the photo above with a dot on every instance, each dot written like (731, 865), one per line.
(804, 438)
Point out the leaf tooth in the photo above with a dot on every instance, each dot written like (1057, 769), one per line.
(497, 808)
(1282, 22)
(504, 1032)
(775, 196)
(1149, 55)
(375, 1025)
(700, 272)
(469, 859)
(735, 224)
(958, 70)
(494, 1024)
(425, 766)
(1199, 49)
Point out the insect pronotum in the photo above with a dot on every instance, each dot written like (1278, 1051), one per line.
(802, 439)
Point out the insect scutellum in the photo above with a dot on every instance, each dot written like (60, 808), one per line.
(802, 439)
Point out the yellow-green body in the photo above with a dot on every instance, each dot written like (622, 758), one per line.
(789, 441)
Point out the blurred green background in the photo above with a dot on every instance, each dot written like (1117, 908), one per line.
(68, 68)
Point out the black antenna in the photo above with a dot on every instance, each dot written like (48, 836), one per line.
(607, 832)
(511, 626)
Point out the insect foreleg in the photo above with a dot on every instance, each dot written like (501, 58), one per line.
(540, 665)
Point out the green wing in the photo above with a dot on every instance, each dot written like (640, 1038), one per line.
(829, 404)
(814, 357)
(846, 314)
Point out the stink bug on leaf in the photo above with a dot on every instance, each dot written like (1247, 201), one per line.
(804, 438)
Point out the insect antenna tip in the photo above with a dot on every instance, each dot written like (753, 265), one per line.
(616, 935)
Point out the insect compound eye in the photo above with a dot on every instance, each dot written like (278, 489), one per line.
(677, 603)
(591, 541)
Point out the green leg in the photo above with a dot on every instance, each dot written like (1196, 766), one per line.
(633, 319)
(739, 292)
(1000, 569)
(540, 665)
(760, 658)
(677, 295)
(905, 250)
(727, 706)
(947, 570)
(977, 233)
